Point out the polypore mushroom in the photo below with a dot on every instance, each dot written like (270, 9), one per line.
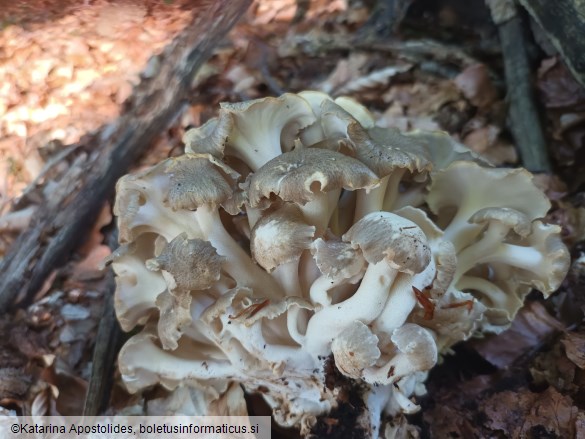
(295, 240)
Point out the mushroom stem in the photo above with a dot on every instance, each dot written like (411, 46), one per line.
(376, 400)
(475, 253)
(238, 263)
(287, 276)
(365, 305)
(294, 317)
(371, 200)
(414, 197)
(399, 305)
(392, 191)
(459, 231)
(319, 292)
(495, 295)
(319, 210)
(341, 219)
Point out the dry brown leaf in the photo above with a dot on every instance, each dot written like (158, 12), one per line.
(346, 70)
(574, 343)
(557, 87)
(525, 414)
(530, 328)
(476, 85)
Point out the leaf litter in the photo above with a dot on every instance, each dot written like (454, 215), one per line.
(67, 69)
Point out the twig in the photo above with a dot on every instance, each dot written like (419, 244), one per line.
(107, 344)
(524, 120)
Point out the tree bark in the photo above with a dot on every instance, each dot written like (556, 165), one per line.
(564, 23)
(155, 102)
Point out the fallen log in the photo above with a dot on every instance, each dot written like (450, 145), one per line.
(62, 224)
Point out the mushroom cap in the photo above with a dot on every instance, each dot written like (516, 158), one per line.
(190, 264)
(136, 287)
(384, 235)
(435, 147)
(357, 110)
(297, 175)
(511, 188)
(257, 124)
(418, 348)
(211, 137)
(175, 314)
(337, 259)
(508, 217)
(355, 349)
(280, 237)
(384, 156)
(198, 179)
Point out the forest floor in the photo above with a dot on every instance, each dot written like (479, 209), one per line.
(67, 67)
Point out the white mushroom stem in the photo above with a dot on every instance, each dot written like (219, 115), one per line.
(238, 263)
(253, 340)
(253, 214)
(319, 292)
(496, 296)
(319, 210)
(341, 220)
(295, 317)
(376, 400)
(460, 231)
(393, 189)
(400, 304)
(476, 253)
(527, 258)
(402, 299)
(308, 272)
(370, 200)
(287, 276)
(365, 305)
(381, 197)
(414, 197)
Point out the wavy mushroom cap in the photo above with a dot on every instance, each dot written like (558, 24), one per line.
(280, 237)
(298, 175)
(383, 157)
(384, 235)
(355, 349)
(506, 217)
(337, 259)
(198, 179)
(190, 264)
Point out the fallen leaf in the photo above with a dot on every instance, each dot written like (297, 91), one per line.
(574, 343)
(524, 414)
(476, 85)
(532, 325)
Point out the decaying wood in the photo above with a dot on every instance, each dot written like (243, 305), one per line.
(524, 120)
(63, 222)
(564, 23)
(107, 344)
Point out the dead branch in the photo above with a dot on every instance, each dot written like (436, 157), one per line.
(524, 120)
(107, 343)
(155, 102)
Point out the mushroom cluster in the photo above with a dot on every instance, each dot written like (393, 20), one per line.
(294, 235)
